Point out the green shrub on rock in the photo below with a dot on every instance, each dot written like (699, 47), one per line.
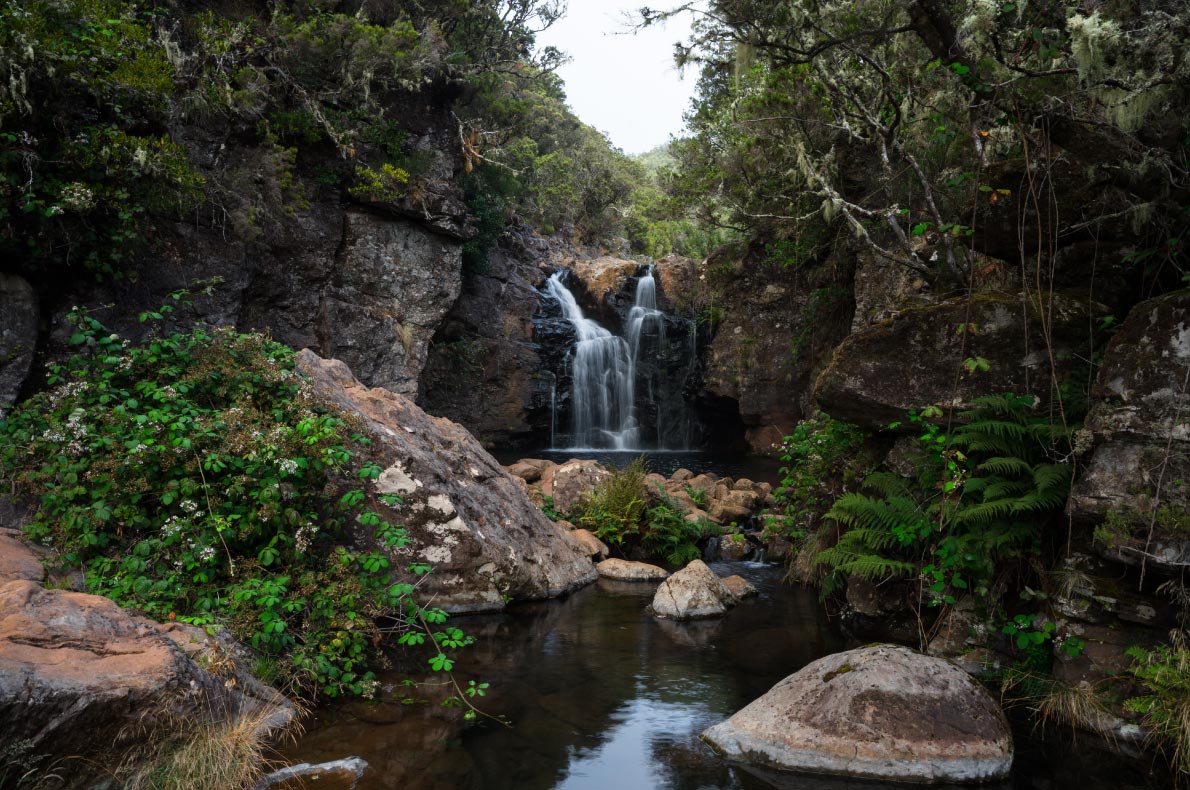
(194, 476)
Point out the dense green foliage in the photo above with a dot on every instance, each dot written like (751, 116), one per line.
(194, 476)
(823, 457)
(981, 499)
(621, 511)
(107, 106)
(925, 129)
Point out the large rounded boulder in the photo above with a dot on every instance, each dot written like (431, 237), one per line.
(879, 712)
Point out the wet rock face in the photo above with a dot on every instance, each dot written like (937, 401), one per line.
(881, 712)
(485, 369)
(464, 514)
(1140, 422)
(393, 284)
(18, 335)
(917, 358)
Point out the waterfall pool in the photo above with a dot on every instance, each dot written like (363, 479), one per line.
(602, 696)
(665, 462)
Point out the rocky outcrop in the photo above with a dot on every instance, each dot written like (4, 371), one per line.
(567, 483)
(392, 284)
(1140, 423)
(466, 517)
(693, 593)
(604, 279)
(917, 358)
(84, 680)
(881, 712)
(485, 369)
(772, 327)
(629, 571)
(18, 335)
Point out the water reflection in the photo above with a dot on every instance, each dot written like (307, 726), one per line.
(601, 695)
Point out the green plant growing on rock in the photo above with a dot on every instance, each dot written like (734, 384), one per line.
(615, 508)
(195, 476)
(981, 499)
(670, 536)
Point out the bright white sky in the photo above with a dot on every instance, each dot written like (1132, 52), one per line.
(621, 83)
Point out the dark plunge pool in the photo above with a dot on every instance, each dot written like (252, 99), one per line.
(602, 696)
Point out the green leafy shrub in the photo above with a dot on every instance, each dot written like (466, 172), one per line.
(981, 498)
(194, 476)
(671, 537)
(1165, 708)
(822, 458)
(613, 510)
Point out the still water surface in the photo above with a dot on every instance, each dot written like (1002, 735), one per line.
(602, 696)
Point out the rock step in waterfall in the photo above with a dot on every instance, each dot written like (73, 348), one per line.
(605, 373)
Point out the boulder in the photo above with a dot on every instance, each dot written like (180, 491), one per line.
(733, 547)
(628, 571)
(527, 472)
(917, 358)
(18, 562)
(568, 482)
(693, 593)
(594, 546)
(682, 475)
(1140, 423)
(83, 679)
(739, 587)
(724, 513)
(879, 712)
(604, 277)
(464, 515)
(342, 774)
(18, 335)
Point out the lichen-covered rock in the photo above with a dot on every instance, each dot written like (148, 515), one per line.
(1140, 422)
(83, 680)
(629, 571)
(393, 285)
(917, 358)
(18, 335)
(881, 712)
(603, 277)
(464, 514)
(693, 593)
(567, 483)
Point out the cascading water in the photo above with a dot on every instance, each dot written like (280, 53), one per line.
(626, 391)
(604, 374)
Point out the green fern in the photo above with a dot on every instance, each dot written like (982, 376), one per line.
(979, 499)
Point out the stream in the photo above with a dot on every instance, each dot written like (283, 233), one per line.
(602, 695)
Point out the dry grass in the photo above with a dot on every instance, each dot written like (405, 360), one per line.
(215, 752)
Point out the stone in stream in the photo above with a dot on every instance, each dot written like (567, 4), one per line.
(628, 571)
(879, 712)
(594, 546)
(342, 774)
(739, 587)
(693, 593)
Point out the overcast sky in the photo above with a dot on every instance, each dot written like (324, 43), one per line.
(621, 83)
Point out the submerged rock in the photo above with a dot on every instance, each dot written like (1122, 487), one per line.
(464, 515)
(693, 593)
(342, 774)
(880, 712)
(628, 571)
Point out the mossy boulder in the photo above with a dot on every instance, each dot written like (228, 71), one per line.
(950, 353)
(879, 712)
(1135, 486)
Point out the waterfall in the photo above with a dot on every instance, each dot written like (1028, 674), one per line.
(620, 383)
(604, 373)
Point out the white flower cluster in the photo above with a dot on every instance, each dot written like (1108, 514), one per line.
(77, 197)
(304, 535)
(288, 466)
(172, 526)
(206, 553)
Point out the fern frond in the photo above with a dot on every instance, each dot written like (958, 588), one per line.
(1007, 466)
